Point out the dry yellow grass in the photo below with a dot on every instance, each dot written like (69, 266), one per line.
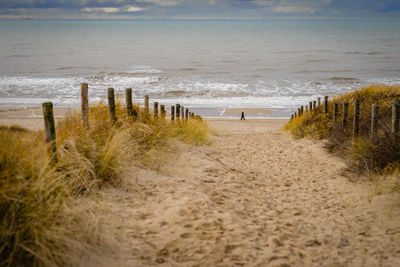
(40, 221)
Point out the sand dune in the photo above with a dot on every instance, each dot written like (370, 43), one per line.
(255, 197)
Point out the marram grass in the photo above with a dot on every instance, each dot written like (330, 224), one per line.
(379, 155)
(38, 226)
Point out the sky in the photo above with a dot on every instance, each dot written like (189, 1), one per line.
(256, 9)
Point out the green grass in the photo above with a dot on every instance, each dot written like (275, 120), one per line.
(34, 192)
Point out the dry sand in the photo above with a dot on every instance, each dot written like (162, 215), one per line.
(255, 197)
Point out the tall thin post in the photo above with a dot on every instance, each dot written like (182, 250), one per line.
(85, 104)
(299, 111)
(326, 104)
(345, 111)
(183, 113)
(129, 106)
(335, 111)
(146, 106)
(186, 114)
(162, 109)
(395, 116)
(155, 110)
(319, 102)
(356, 121)
(172, 113)
(310, 105)
(50, 129)
(111, 105)
(178, 111)
(302, 110)
(374, 120)
(314, 105)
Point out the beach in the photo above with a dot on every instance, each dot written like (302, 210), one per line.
(254, 197)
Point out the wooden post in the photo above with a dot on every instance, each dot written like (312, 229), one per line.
(356, 121)
(111, 105)
(178, 111)
(85, 104)
(155, 110)
(299, 111)
(186, 114)
(326, 105)
(335, 111)
(162, 109)
(314, 105)
(50, 129)
(129, 106)
(345, 111)
(146, 106)
(319, 102)
(395, 116)
(172, 113)
(302, 110)
(183, 113)
(310, 105)
(374, 120)
(295, 114)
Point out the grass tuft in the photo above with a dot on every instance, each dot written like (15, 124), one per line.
(36, 195)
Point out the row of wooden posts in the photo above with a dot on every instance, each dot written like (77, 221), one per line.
(316, 106)
(178, 113)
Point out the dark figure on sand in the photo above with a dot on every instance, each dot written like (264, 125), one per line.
(242, 118)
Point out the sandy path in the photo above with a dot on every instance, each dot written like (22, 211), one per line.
(256, 197)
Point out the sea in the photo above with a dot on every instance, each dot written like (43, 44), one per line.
(277, 64)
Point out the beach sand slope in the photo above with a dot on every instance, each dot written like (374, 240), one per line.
(255, 197)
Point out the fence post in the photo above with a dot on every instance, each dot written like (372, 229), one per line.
(345, 111)
(395, 116)
(178, 111)
(326, 104)
(186, 114)
(183, 113)
(319, 102)
(146, 106)
(129, 106)
(111, 105)
(50, 129)
(335, 111)
(310, 105)
(162, 111)
(155, 110)
(172, 113)
(356, 121)
(299, 111)
(374, 120)
(85, 104)
(314, 105)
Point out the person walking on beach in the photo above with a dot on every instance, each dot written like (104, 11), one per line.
(242, 118)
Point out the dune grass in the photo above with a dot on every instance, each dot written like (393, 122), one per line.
(379, 155)
(34, 191)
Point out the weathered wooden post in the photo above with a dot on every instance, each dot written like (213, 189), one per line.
(178, 111)
(172, 113)
(50, 129)
(302, 110)
(356, 121)
(111, 105)
(374, 120)
(395, 116)
(335, 111)
(310, 105)
(183, 113)
(146, 106)
(155, 110)
(326, 104)
(319, 102)
(295, 114)
(129, 106)
(314, 105)
(186, 114)
(162, 109)
(345, 111)
(299, 111)
(85, 104)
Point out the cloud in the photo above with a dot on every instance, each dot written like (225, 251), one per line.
(101, 9)
(294, 9)
(162, 2)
